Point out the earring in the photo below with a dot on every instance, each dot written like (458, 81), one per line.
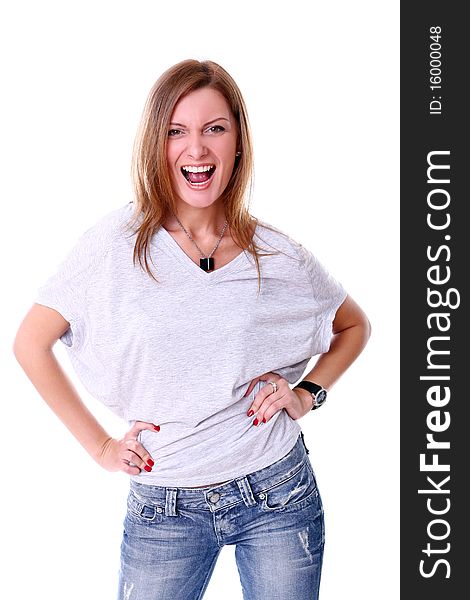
(238, 153)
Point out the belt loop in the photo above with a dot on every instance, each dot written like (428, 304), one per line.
(303, 442)
(246, 491)
(170, 502)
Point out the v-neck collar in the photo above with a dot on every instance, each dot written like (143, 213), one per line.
(208, 277)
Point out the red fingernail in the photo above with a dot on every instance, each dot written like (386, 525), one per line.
(150, 462)
(251, 412)
(148, 469)
(255, 422)
(264, 420)
(157, 427)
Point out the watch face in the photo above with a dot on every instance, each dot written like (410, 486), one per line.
(320, 397)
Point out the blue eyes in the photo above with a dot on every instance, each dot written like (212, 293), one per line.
(213, 129)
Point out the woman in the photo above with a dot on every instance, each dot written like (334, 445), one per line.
(197, 353)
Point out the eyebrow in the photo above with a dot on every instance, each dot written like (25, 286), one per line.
(205, 124)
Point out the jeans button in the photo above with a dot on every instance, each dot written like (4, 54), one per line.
(214, 497)
(261, 496)
(159, 509)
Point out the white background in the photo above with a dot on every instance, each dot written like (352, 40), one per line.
(321, 84)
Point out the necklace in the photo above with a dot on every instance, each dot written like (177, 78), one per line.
(206, 262)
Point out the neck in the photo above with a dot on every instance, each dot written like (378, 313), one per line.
(200, 223)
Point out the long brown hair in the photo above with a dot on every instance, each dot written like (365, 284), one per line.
(155, 198)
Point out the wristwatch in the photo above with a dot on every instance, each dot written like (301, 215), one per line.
(318, 392)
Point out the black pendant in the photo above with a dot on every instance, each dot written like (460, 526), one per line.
(207, 264)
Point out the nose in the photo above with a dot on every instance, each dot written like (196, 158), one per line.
(196, 147)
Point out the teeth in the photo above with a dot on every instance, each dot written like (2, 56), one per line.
(191, 169)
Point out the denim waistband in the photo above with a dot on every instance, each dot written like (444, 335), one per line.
(216, 497)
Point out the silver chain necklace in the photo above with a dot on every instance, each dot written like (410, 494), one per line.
(206, 262)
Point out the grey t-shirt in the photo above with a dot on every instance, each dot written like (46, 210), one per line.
(181, 353)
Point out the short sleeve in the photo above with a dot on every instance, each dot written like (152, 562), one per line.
(328, 295)
(65, 290)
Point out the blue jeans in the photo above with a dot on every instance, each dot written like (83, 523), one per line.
(274, 517)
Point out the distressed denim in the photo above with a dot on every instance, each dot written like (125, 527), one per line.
(274, 517)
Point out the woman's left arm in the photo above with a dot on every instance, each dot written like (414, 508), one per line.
(351, 331)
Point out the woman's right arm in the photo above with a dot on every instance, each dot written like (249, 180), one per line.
(33, 349)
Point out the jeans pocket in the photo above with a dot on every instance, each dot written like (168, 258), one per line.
(140, 510)
(292, 493)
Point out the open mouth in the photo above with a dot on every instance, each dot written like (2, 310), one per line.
(198, 175)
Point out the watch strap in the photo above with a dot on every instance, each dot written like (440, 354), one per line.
(313, 388)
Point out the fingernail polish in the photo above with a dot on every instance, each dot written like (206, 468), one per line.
(255, 422)
(150, 462)
(157, 427)
(147, 468)
(251, 412)
(264, 420)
